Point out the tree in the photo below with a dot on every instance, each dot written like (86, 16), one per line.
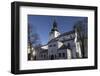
(81, 28)
(33, 41)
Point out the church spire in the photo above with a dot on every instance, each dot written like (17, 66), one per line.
(54, 28)
(54, 31)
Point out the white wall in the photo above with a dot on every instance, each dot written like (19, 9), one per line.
(5, 27)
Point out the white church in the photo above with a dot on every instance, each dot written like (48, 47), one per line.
(60, 45)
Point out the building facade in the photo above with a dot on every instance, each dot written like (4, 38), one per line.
(61, 45)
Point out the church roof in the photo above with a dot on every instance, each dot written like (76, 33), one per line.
(53, 40)
(67, 40)
(66, 33)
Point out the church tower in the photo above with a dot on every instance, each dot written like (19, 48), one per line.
(54, 31)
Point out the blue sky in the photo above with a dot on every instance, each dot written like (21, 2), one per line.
(43, 24)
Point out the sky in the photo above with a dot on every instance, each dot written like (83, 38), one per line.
(43, 24)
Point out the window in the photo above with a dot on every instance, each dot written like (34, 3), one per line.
(55, 56)
(41, 55)
(59, 54)
(50, 46)
(44, 56)
(63, 54)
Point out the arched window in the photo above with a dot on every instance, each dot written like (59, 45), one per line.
(63, 54)
(59, 54)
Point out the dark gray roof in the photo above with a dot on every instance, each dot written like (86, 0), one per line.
(53, 40)
(67, 40)
(67, 33)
